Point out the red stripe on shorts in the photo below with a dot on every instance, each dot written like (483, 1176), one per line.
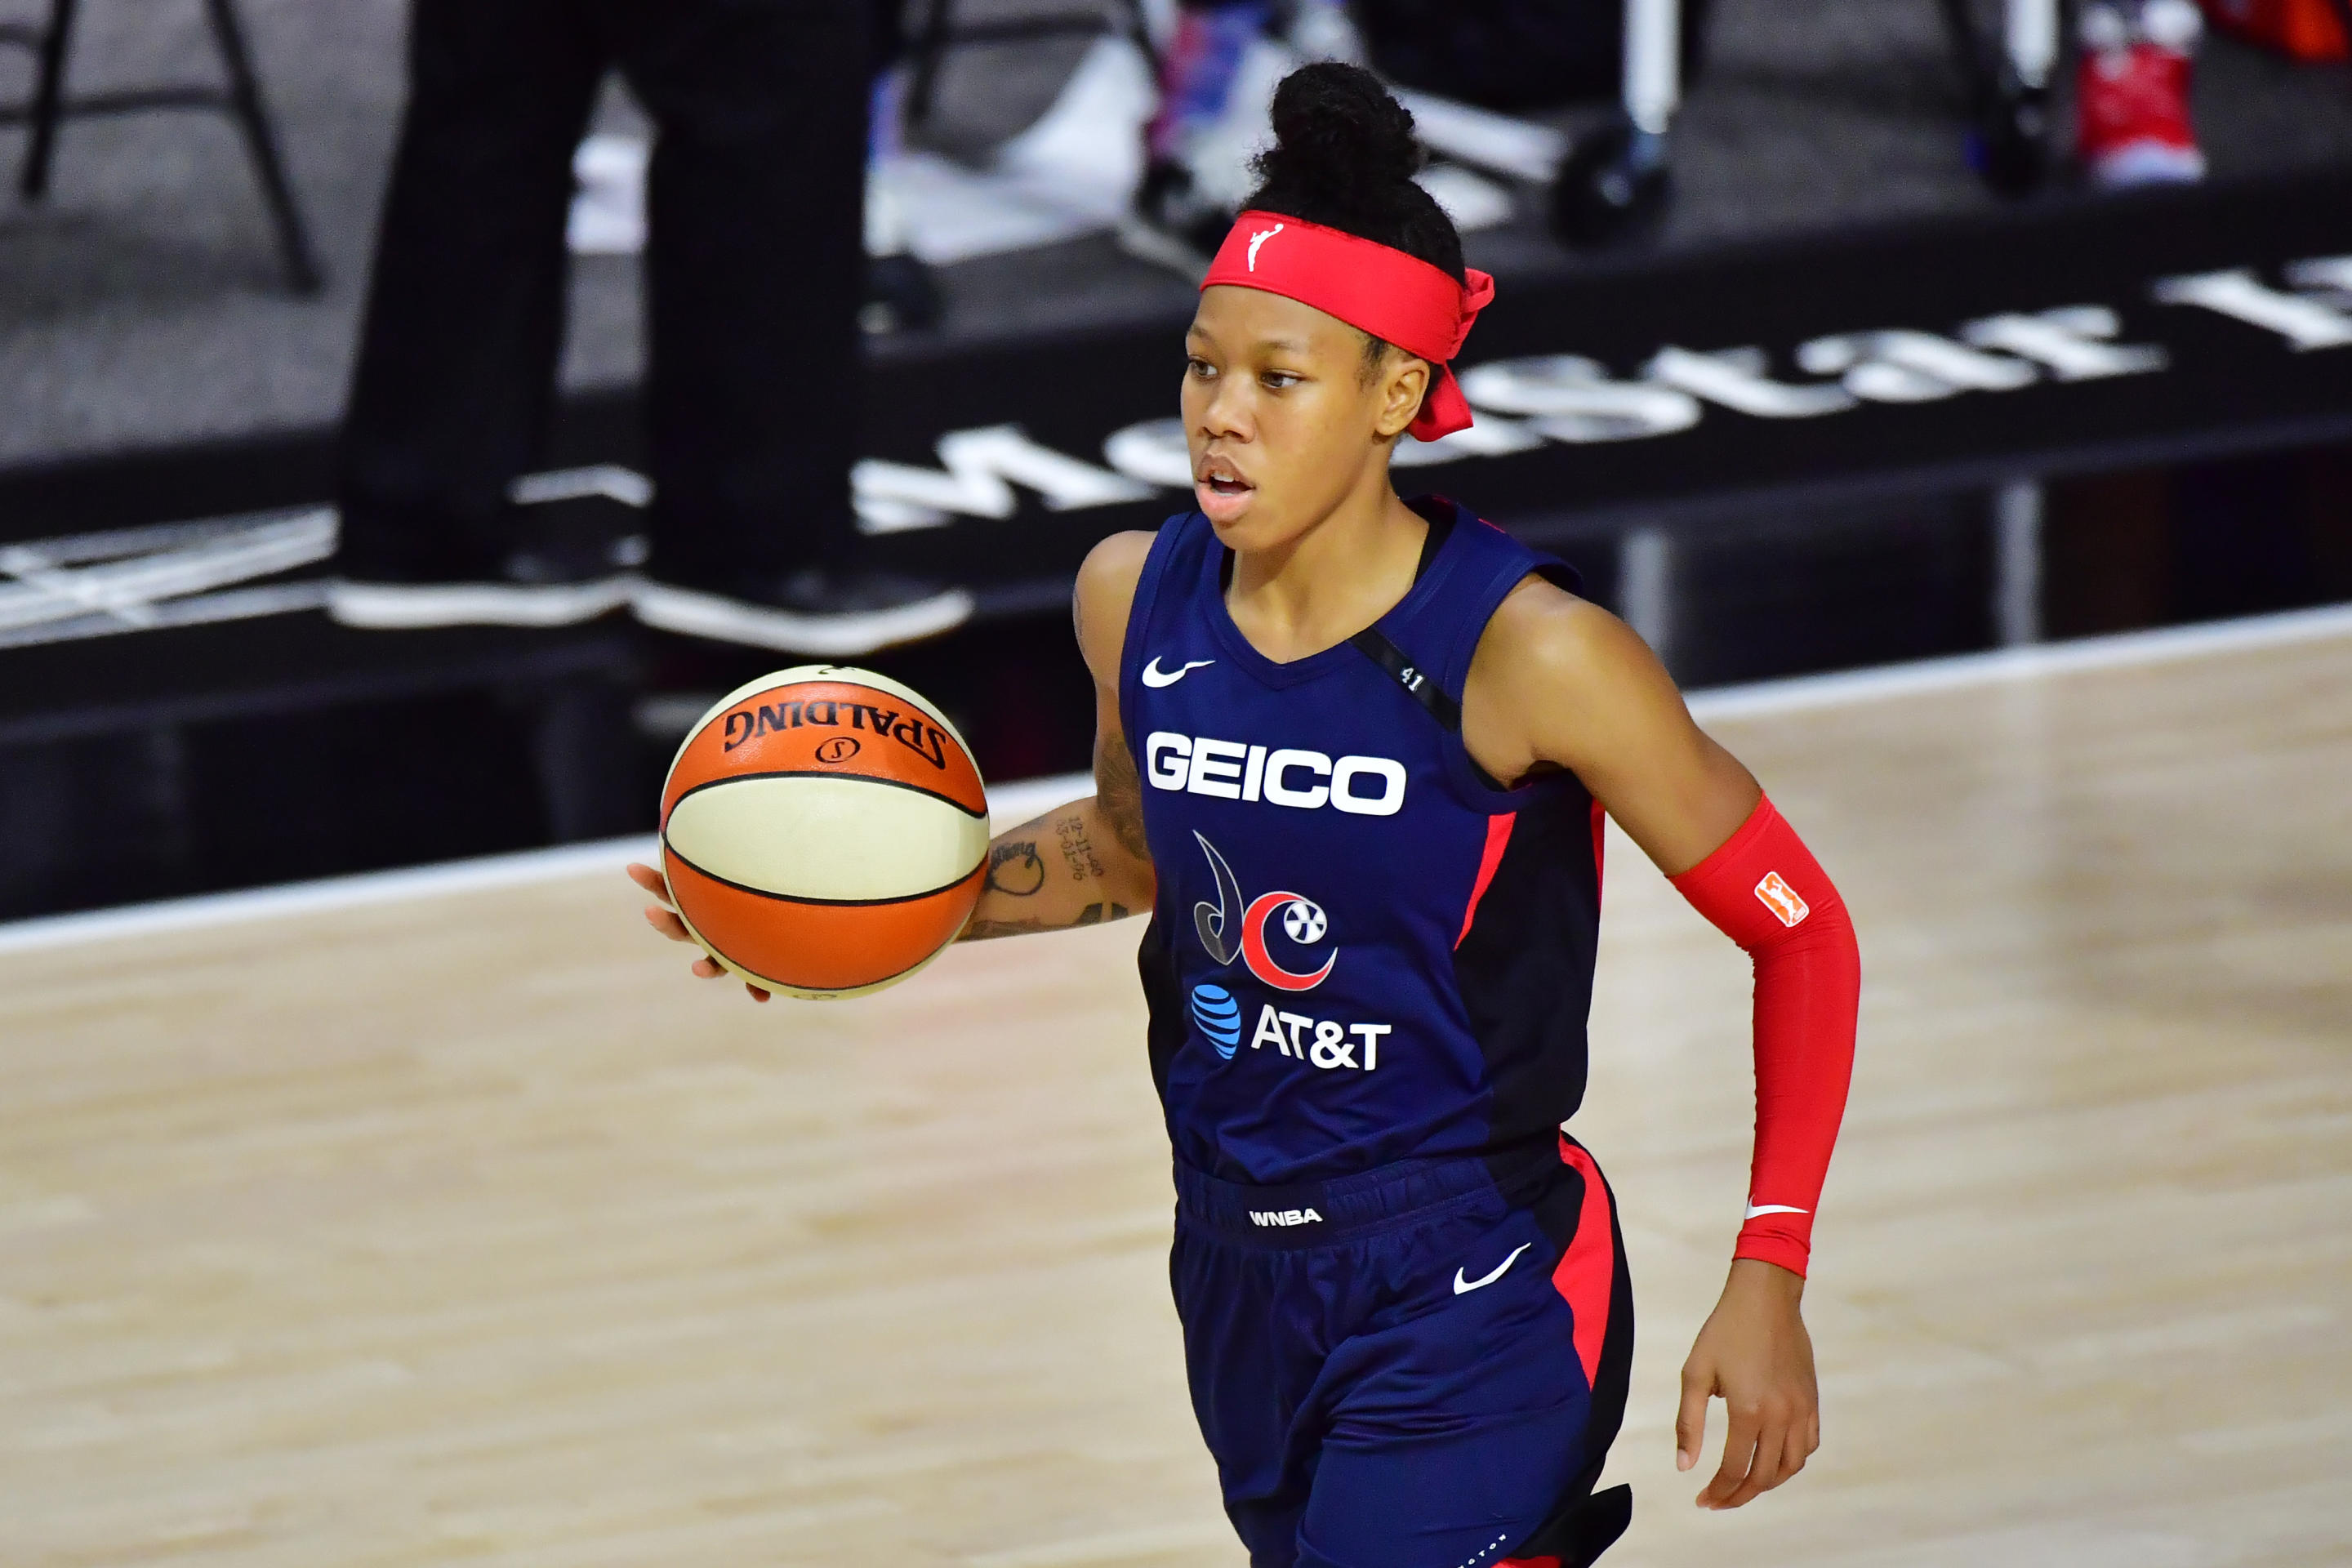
(1588, 1270)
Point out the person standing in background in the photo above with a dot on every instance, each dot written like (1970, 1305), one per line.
(753, 272)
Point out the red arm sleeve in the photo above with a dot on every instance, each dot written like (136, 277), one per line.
(1763, 890)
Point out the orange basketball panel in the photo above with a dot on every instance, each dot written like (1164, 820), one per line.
(820, 947)
(828, 727)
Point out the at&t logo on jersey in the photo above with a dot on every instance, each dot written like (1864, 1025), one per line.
(1219, 1017)
(1217, 1012)
(1319, 1041)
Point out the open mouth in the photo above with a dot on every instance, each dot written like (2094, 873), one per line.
(1220, 479)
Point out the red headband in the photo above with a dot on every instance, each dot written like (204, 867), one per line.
(1373, 286)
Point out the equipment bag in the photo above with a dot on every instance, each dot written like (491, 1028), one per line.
(1511, 54)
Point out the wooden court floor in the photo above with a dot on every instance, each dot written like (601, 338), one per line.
(468, 1230)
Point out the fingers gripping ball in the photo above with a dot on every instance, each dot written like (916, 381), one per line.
(825, 831)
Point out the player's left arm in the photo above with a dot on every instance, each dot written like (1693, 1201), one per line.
(1560, 682)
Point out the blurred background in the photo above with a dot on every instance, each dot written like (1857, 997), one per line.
(1831, 332)
(418, 412)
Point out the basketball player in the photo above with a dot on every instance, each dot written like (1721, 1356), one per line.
(1352, 754)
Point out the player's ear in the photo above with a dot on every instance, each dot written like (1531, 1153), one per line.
(1403, 381)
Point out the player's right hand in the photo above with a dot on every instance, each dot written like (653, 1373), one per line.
(1754, 1355)
(663, 918)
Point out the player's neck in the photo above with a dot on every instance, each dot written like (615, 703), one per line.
(1332, 580)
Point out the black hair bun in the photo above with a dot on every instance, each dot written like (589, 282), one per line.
(1337, 130)
(1345, 156)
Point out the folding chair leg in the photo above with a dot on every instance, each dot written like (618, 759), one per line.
(1139, 26)
(253, 118)
(1968, 50)
(2029, 39)
(1614, 183)
(2009, 84)
(931, 47)
(49, 101)
(1653, 63)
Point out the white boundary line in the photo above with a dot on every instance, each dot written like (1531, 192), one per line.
(2002, 665)
(1018, 802)
(1008, 805)
(368, 887)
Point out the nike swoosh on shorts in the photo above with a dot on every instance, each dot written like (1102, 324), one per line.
(1462, 1287)
(1754, 1209)
(1154, 676)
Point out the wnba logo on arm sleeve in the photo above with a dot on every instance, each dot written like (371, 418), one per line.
(1782, 900)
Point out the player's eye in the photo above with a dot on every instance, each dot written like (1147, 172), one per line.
(1279, 380)
(1200, 369)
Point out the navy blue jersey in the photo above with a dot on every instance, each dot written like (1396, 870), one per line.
(1362, 949)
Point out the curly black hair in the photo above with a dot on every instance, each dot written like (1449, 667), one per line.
(1345, 156)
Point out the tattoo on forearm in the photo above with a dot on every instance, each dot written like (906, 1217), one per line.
(1078, 849)
(980, 931)
(1118, 798)
(1092, 915)
(1015, 868)
(1018, 870)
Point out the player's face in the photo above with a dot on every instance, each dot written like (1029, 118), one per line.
(1281, 418)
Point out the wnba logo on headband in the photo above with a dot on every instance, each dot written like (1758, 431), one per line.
(1374, 287)
(1260, 237)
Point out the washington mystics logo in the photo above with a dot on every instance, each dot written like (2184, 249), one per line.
(1303, 922)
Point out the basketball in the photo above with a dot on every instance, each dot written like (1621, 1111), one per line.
(825, 831)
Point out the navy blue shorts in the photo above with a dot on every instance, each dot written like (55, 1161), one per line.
(1422, 1366)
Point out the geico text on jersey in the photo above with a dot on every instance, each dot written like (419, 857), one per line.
(1280, 775)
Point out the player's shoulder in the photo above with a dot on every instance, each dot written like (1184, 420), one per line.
(1544, 639)
(1116, 562)
(1105, 593)
(1107, 577)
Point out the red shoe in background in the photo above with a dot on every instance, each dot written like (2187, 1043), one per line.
(2131, 95)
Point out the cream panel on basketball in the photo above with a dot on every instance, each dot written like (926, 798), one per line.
(848, 673)
(837, 839)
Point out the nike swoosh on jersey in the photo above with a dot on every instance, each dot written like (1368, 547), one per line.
(1155, 677)
(1463, 1286)
(1754, 1209)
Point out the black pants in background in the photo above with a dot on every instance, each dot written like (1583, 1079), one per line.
(753, 277)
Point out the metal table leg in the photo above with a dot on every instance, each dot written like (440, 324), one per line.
(49, 99)
(1615, 182)
(246, 107)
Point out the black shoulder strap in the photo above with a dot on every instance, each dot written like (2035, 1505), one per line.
(1419, 684)
(1376, 647)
